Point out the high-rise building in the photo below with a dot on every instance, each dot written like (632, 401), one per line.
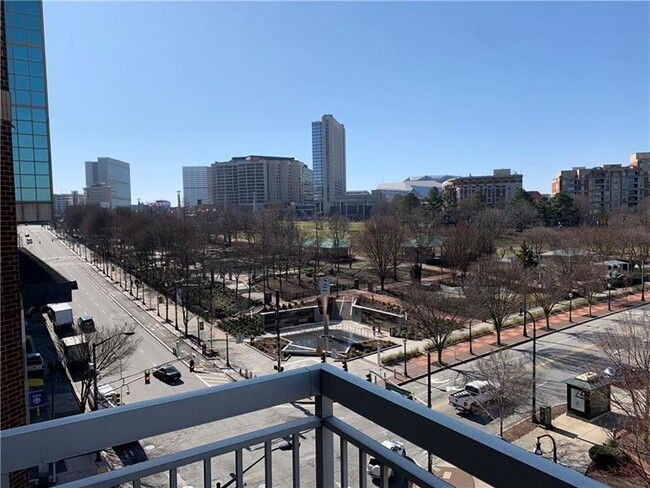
(491, 190)
(328, 152)
(29, 110)
(255, 181)
(114, 174)
(65, 200)
(609, 186)
(195, 186)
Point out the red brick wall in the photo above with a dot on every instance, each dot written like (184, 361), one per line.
(12, 374)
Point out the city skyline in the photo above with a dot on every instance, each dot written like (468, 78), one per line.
(421, 88)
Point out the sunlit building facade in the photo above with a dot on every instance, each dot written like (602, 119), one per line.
(329, 164)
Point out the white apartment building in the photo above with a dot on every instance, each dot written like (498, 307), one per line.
(256, 181)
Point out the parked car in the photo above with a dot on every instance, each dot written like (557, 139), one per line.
(625, 375)
(35, 364)
(374, 466)
(475, 395)
(168, 374)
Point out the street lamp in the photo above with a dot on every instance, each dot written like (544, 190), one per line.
(523, 312)
(227, 353)
(471, 351)
(277, 328)
(609, 296)
(538, 446)
(405, 359)
(642, 280)
(570, 306)
(95, 390)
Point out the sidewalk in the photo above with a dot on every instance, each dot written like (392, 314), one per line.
(573, 438)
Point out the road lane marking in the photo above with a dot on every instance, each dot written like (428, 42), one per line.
(539, 363)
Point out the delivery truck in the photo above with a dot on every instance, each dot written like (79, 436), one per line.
(60, 314)
(76, 351)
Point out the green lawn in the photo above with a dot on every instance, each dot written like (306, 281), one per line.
(308, 226)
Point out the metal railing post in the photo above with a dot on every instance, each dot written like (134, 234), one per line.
(324, 445)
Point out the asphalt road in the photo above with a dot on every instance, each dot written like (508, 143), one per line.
(100, 297)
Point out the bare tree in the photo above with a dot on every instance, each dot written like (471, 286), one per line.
(422, 228)
(589, 277)
(435, 316)
(337, 230)
(509, 374)
(461, 247)
(113, 347)
(378, 241)
(492, 290)
(549, 287)
(626, 345)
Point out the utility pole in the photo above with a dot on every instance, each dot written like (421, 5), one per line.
(277, 328)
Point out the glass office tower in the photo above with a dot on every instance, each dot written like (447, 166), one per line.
(114, 174)
(29, 110)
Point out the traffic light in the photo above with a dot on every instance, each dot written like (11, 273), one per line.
(322, 358)
(369, 377)
(345, 366)
(147, 377)
(117, 399)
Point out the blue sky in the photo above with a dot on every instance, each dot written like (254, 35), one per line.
(422, 88)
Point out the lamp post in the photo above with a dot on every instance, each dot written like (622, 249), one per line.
(523, 312)
(609, 296)
(227, 353)
(538, 446)
(471, 351)
(277, 328)
(570, 306)
(405, 358)
(642, 280)
(95, 390)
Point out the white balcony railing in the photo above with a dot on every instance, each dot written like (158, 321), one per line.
(482, 455)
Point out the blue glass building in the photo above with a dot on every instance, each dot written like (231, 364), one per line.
(114, 174)
(29, 110)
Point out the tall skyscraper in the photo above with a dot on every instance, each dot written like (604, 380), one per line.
(328, 151)
(113, 173)
(195, 186)
(29, 110)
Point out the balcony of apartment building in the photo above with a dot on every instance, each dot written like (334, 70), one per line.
(326, 450)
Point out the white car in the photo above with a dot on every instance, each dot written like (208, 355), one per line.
(374, 467)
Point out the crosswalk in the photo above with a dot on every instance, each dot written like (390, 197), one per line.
(213, 379)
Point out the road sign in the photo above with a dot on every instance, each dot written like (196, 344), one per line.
(36, 398)
(324, 286)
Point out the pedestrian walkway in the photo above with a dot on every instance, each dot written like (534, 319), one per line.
(573, 438)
